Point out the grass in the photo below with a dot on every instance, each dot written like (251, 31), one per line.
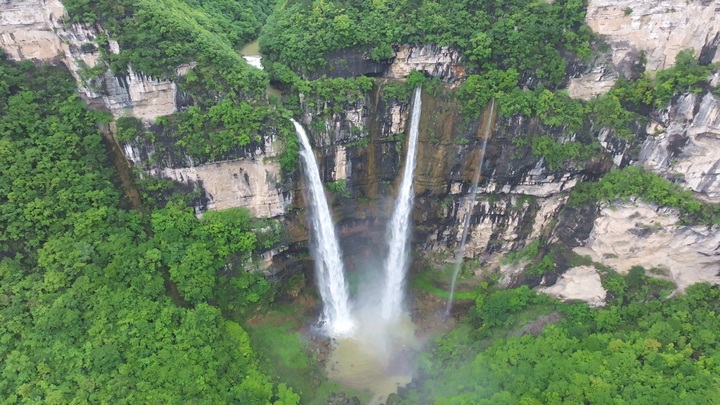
(326, 388)
(286, 356)
(437, 283)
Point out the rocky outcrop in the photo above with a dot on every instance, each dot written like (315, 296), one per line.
(36, 30)
(637, 234)
(646, 34)
(578, 283)
(592, 84)
(138, 95)
(247, 183)
(436, 61)
(26, 29)
(501, 226)
(685, 144)
(660, 28)
(252, 180)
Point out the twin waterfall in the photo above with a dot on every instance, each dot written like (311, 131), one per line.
(328, 259)
(398, 234)
(329, 268)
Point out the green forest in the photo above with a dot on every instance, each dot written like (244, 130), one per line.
(105, 299)
(101, 303)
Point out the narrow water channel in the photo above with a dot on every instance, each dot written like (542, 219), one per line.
(251, 53)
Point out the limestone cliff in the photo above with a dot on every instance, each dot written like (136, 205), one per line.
(37, 30)
(659, 28)
(685, 144)
(521, 198)
(437, 61)
(636, 234)
(651, 30)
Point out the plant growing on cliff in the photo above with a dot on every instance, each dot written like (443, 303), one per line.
(634, 181)
(686, 75)
(396, 91)
(155, 38)
(338, 187)
(515, 34)
(415, 79)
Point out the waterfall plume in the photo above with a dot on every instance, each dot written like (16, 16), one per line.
(329, 267)
(398, 233)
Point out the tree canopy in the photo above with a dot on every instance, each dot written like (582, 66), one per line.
(85, 313)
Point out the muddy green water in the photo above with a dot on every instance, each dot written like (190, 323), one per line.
(251, 49)
(251, 53)
(378, 359)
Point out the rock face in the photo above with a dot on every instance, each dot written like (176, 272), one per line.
(586, 86)
(34, 29)
(660, 28)
(649, 33)
(643, 235)
(519, 195)
(138, 96)
(685, 144)
(437, 61)
(246, 183)
(578, 283)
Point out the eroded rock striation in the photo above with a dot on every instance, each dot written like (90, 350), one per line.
(638, 234)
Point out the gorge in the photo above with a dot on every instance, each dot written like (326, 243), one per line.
(589, 212)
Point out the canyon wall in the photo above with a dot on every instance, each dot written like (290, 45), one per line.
(360, 149)
(646, 34)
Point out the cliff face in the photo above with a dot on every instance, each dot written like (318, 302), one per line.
(659, 28)
(520, 197)
(36, 30)
(651, 30)
(685, 144)
(637, 234)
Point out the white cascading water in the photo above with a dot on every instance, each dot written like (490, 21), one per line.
(328, 259)
(398, 234)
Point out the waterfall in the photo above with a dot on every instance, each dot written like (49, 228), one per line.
(326, 249)
(398, 234)
(466, 222)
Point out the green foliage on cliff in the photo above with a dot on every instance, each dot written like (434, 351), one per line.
(520, 347)
(528, 36)
(88, 309)
(644, 93)
(156, 37)
(634, 181)
(686, 75)
(397, 91)
(229, 110)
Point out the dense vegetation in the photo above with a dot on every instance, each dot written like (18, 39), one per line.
(522, 348)
(634, 181)
(527, 36)
(102, 304)
(229, 110)
(156, 37)
(89, 308)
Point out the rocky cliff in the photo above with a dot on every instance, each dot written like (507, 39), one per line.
(37, 30)
(649, 33)
(521, 197)
(685, 144)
